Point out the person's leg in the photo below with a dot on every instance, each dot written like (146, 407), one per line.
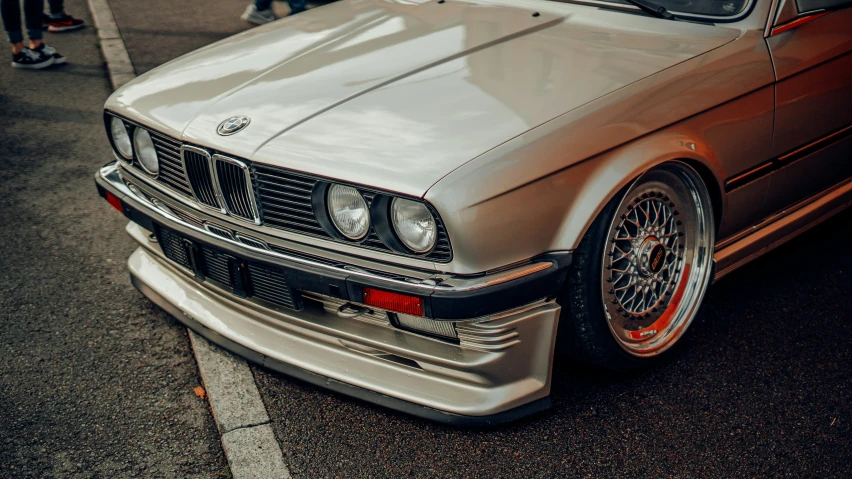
(59, 21)
(33, 10)
(263, 4)
(25, 57)
(297, 6)
(57, 8)
(11, 12)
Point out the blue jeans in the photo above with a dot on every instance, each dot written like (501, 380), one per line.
(11, 11)
(296, 6)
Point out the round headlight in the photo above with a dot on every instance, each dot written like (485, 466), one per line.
(120, 138)
(414, 224)
(145, 152)
(348, 211)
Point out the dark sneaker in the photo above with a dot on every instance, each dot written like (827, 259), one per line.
(65, 24)
(32, 60)
(45, 21)
(45, 50)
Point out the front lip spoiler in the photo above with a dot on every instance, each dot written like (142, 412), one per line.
(332, 384)
(456, 298)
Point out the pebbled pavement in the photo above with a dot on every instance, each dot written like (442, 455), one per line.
(95, 381)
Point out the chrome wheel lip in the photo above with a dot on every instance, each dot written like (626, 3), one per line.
(646, 336)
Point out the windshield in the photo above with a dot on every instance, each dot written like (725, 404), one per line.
(716, 8)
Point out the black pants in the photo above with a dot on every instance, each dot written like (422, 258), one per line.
(11, 10)
(56, 6)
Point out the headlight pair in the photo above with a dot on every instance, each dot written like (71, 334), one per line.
(141, 146)
(402, 224)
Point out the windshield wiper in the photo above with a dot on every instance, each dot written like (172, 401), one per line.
(652, 8)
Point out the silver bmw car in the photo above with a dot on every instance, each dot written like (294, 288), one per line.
(420, 202)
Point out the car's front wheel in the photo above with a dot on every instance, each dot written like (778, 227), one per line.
(640, 272)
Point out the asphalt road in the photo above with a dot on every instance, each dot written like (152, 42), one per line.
(90, 371)
(94, 380)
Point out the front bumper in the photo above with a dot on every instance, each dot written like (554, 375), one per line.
(500, 373)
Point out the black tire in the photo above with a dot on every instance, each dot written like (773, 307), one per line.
(584, 332)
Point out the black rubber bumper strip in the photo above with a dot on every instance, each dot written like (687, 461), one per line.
(444, 305)
(340, 386)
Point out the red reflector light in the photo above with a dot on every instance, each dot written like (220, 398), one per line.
(393, 301)
(114, 201)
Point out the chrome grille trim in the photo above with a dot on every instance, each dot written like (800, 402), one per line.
(171, 166)
(196, 163)
(218, 230)
(233, 179)
(252, 241)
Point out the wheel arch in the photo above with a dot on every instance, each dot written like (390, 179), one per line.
(604, 183)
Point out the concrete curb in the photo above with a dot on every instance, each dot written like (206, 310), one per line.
(115, 53)
(247, 437)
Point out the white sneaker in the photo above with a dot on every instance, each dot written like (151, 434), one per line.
(258, 17)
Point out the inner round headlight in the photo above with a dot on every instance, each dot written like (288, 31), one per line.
(348, 211)
(145, 151)
(414, 224)
(120, 138)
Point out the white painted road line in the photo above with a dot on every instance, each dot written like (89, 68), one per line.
(247, 437)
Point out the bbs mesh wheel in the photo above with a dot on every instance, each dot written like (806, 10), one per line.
(640, 272)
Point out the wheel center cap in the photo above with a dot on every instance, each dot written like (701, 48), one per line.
(652, 255)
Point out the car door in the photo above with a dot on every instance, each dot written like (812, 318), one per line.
(811, 46)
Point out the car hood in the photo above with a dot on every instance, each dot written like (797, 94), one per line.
(398, 95)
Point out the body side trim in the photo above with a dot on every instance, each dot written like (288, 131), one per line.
(748, 176)
(774, 232)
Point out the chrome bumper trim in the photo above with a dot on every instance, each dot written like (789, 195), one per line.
(452, 284)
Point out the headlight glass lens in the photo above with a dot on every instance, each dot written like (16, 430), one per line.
(414, 224)
(120, 138)
(145, 151)
(348, 211)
